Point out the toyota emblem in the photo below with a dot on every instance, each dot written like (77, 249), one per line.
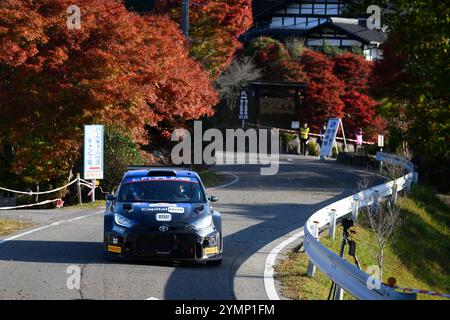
(163, 228)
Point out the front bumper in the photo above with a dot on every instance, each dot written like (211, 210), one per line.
(138, 244)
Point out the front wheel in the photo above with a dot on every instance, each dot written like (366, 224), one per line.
(214, 262)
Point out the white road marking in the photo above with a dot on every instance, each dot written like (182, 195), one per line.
(54, 224)
(236, 179)
(269, 283)
(152, 298)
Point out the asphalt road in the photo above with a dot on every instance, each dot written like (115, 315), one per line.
(256, 211)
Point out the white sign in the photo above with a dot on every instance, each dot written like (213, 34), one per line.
(329, 137)
(163, 217)
(243, 111)
(93, 152)
(380, 140)
(295, 125)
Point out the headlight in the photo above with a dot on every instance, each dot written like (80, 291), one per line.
(203, 223)
(122, 221)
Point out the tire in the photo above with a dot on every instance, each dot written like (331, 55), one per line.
(214, 263)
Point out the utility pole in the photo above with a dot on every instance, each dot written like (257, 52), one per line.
(185, 17)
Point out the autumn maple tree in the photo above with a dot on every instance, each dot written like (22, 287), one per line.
(336, 86)
(359, 107)
(215, 27)
(121, 69)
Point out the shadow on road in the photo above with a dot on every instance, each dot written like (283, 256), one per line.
(256, 211)
(274, 217)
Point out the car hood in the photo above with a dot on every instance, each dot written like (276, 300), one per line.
(144, 214)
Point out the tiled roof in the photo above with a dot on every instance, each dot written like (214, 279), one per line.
(264, 7)
(355, 29)
(360, 30)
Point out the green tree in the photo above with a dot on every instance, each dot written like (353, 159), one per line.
(120, 152)
(413, 78)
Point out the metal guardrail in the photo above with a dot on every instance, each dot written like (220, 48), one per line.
(346, 275)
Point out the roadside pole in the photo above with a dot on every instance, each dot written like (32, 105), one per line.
(315, 233)
(93, 190)
(332, 229)
(185, 17)
(80, 201)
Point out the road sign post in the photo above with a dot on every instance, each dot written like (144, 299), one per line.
(329, 138)
(93, 154)
(381, 145)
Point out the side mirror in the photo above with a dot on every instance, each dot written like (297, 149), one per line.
(110, 197)
(213, 199)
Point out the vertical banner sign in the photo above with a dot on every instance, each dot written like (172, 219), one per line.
(93, 152)
(243, 111)
(330, 137)
(381, 140)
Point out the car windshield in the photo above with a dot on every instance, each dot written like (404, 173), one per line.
(161, 189)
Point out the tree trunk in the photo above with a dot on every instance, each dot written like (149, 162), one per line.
(380, 263)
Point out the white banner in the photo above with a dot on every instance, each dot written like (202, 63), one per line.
(93, 152)
(329, 137)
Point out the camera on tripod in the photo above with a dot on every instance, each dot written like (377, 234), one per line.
(347, 223)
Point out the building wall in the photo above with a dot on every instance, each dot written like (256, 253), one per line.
(306, 14)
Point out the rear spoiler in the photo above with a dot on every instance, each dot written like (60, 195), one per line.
(162, 168)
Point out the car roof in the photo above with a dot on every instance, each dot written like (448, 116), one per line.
(136, 173)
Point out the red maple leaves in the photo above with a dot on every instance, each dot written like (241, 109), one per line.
(120, 69)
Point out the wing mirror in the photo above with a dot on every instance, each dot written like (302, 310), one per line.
(110, 197)
(213, 199)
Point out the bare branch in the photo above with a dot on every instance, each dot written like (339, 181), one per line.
(238, 75)
(384, 219)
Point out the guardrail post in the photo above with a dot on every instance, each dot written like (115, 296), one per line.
(376, 199)
(332, 228)
(408, 185)
(394, 195)
(339, 293)
(315, 234)
(355, 208)
(80, 200)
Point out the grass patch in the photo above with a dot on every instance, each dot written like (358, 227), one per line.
(90, 205)
(419, 258)
(8, 226)
(211, 178)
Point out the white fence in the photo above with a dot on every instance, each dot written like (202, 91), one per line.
(80, 182)
(345, 274)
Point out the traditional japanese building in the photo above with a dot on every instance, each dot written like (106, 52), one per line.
(317, 22)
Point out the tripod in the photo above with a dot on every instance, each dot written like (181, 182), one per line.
(346, 224)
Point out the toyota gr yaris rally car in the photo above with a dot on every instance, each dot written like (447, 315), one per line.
(162, 214)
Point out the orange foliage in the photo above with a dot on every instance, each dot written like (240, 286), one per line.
(215, 28)
(120, 69)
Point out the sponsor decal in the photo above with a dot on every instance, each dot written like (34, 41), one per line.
(173, 179)
(115, 249)
(170, 209)
(162, 204)
(176, 209)
(212, 250)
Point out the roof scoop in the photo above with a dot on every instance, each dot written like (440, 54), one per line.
(161, 173)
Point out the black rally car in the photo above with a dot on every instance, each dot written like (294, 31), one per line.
(162, 214)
